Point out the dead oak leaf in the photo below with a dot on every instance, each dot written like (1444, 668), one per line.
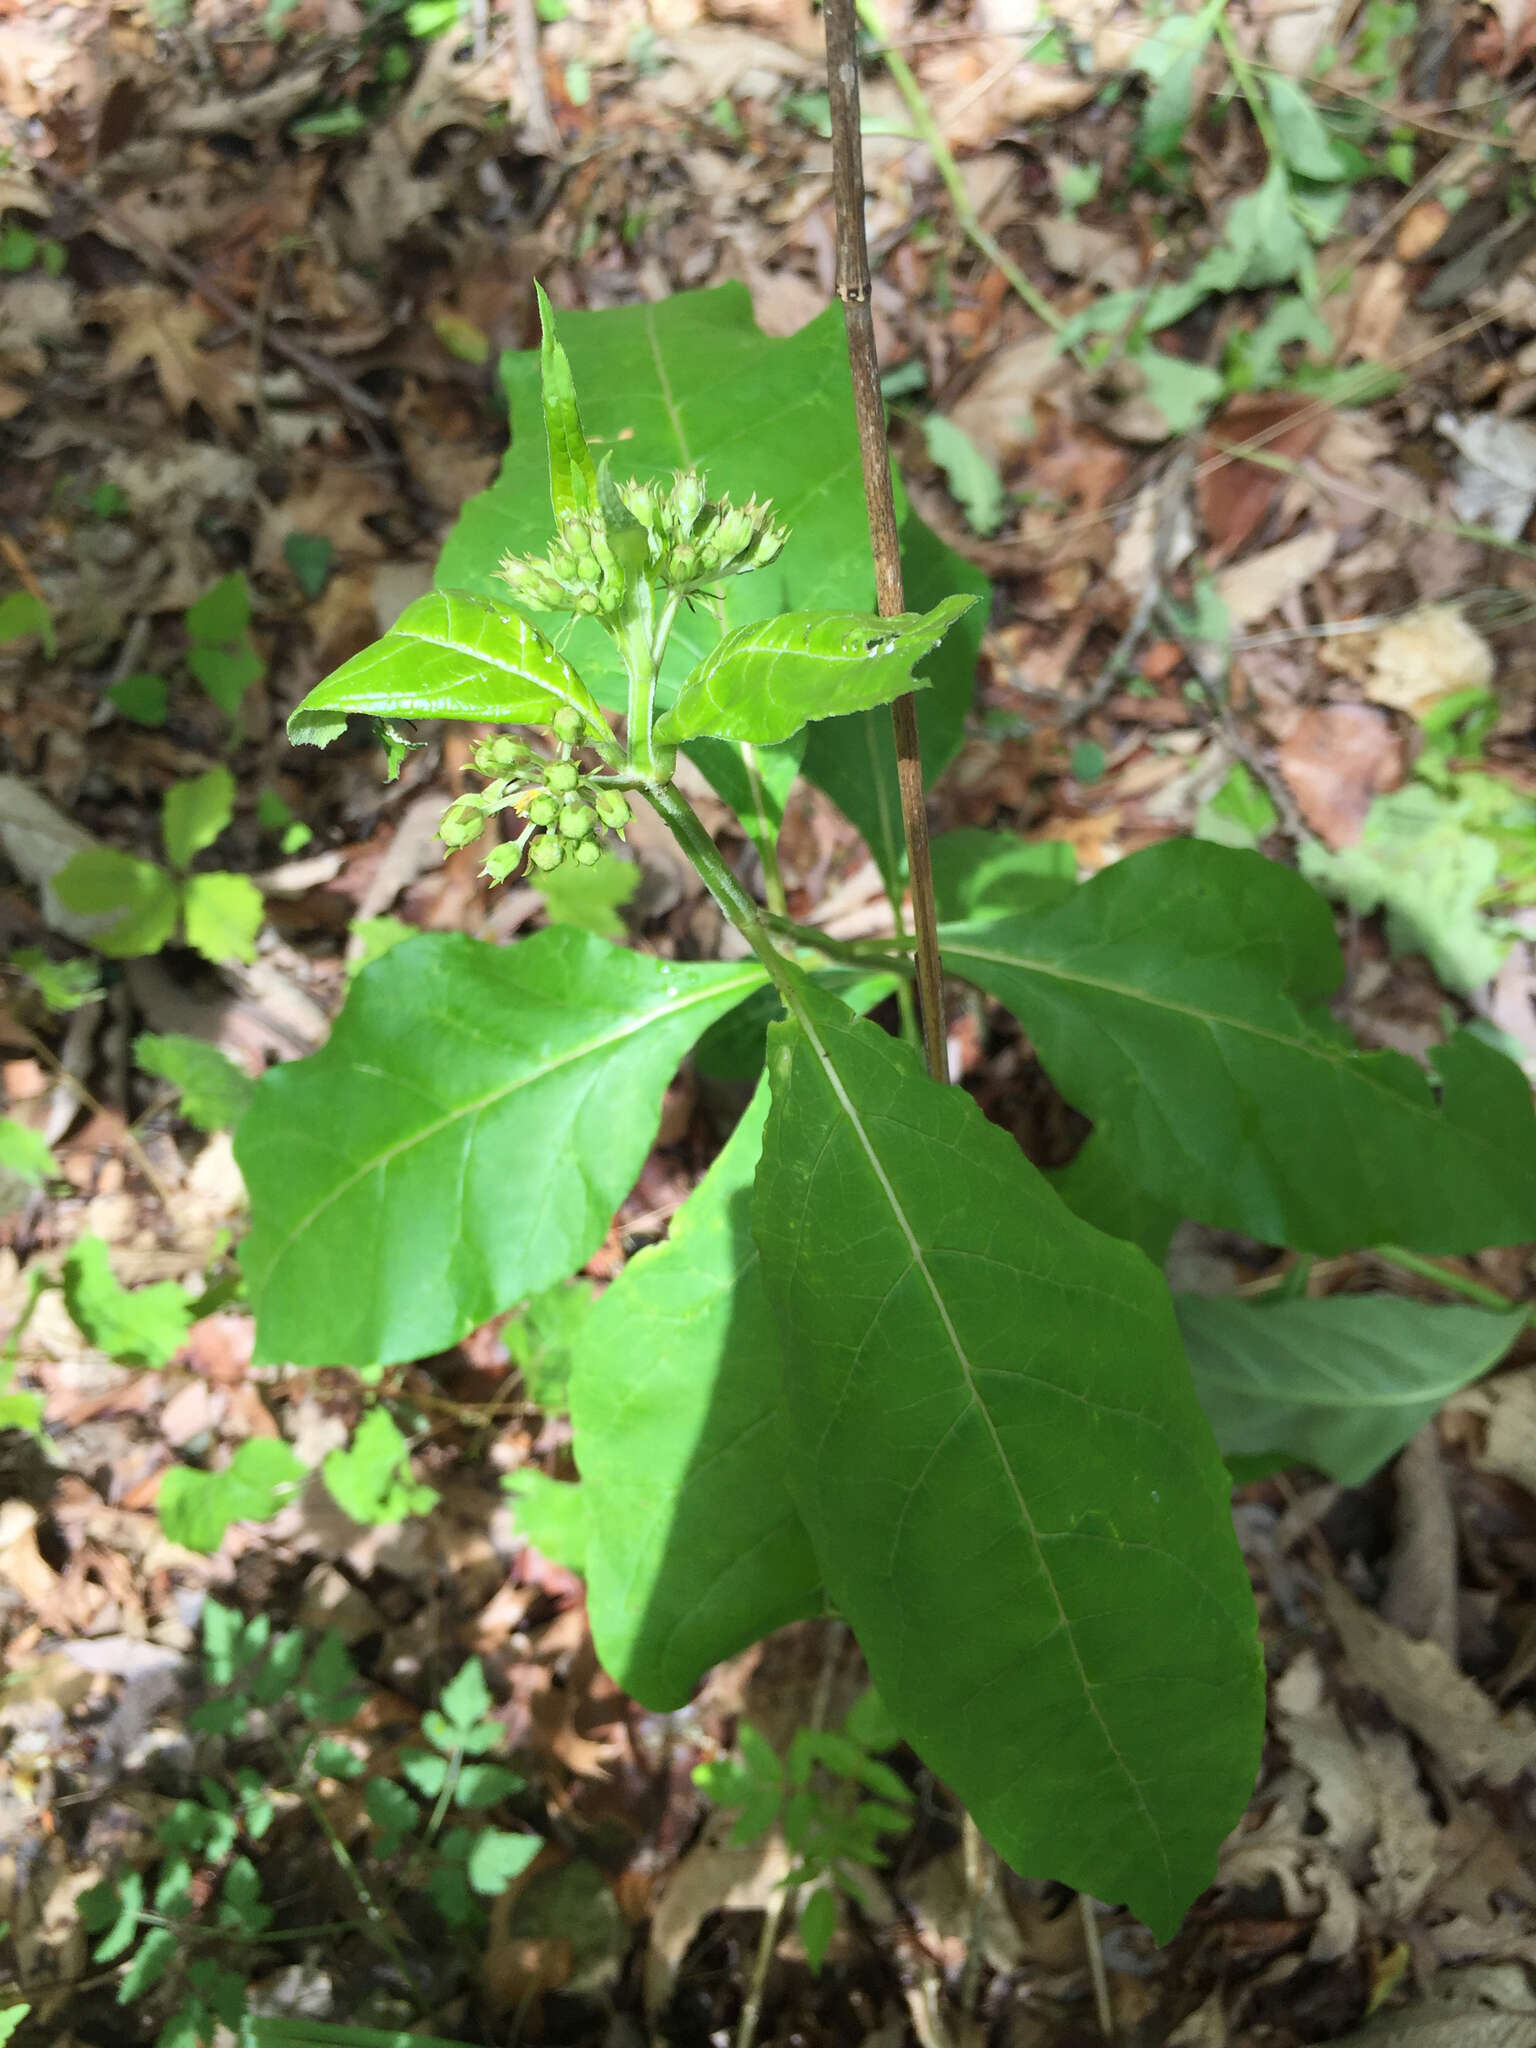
(336, 508)
(1336, 762)
(153, 325)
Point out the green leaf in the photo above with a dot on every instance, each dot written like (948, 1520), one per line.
(1239, 814)
(1096, 1186)
(63, 984)
(854, 759)
(11, 2017)
(588, 898)
(240, 1901)
(463, 1138)
(309, 556)
(392, 1810)
(25, 1153)
(141, 698)
(987, 874)
(818, 1924)
(1419, 858)
(1179, 999)
(690, 382)
(551, 1514)
(694, 1546)
(734, 1049)
(466, 1699)
(377, 936)
(222, 915)
(1342, 1383)
(541, 1341)
(994, 1443)
(448, 655)
(112, 1910)
(1304, 139)
(868, 1721)
(155, 1955)
(485, 1785)
(371, 1479)
(195, 813)
(572, 472)
(197, 1507)
(497, 1858)
(973, 481)
(226, 673)
(754, 781)
(215, 1093)
(1182, 392)
(1170, 57)
(25, 617)
(145, 1327)
(139, 900)
(223, 614)
(425, 1772)
(770, 677)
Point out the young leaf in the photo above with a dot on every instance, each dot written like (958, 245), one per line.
(215, 1093)
(694, 1546)
(63, 984)
(222, 614)
(24, 1153)
(551, 1514)
(371, 1479)
(459, 1079)
(572, 472)
(197, 1507)
(448, 655)
(466, 1699)
(663, 387)
(226, 673)
(156, 1953)
(588, 898)
(142, 698)
(1342, 1383)
(767, 679)
(23, 616)
(195, 813)
(995, 1446)
(854, 759)
(11, 2017)
(484, 1785)
(222, 915)
(1179, 999)
(497, 1858)
(138, 902)
(144, 1327)
(1305, 142)
(818, 1924)
(426, 1772)
(113, 1912)
(972, 477)
(392, 1811)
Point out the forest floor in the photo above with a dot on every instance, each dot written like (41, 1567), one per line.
(256, 269)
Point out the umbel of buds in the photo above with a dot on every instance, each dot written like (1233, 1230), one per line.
(672, 534)
(562, 807)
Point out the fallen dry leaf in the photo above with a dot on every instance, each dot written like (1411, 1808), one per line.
(1260, 584)
(1336, 762)
(998, 411)
(1235, 496)
(1433, 1699)
(711, 1878)
(152, 324)
(1430, 655)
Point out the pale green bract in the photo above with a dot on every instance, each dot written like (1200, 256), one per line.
(772, 676)
(448, 655)
(694, 1547)
(1180, 1000)
(462, 1139)
(572, 472)
(1013, 1495)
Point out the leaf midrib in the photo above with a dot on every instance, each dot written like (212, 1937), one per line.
(586, 1049)
(963, 1361)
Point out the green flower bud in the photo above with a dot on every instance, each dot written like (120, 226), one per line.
(502, 860)
(546, 855)
(733, 532)
(770, 546)
(569, 725)
(587, 853)
(687, 497)
(612, 808)
(542, 810)
(496, 757)
(460, 826)
(562, 776)
(684, 563)
(532, 583)
(578, 821)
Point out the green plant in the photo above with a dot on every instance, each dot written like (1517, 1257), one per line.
(881, 1363)
(188, 1928)
(217, 914)
(832, 1798)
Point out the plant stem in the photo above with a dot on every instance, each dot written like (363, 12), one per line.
(1101, 1999)
(763, 837)
(632, 631)
(861, 953)
(1249, 87)
(853, 286)
(1456, 1283)
(931, 135)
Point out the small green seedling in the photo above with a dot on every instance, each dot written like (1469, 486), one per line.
(144, 907)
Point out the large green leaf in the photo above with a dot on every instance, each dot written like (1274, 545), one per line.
(691, 383)
(772, 676)
(1012, 1492)
(462, 1139)
(1180, 1000)
(695, 1548)
(448, 655)
(854, 758)
(1341, 1384)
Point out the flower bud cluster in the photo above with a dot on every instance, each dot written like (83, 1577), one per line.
(693, 541)
(563, 808)
(580, 573)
